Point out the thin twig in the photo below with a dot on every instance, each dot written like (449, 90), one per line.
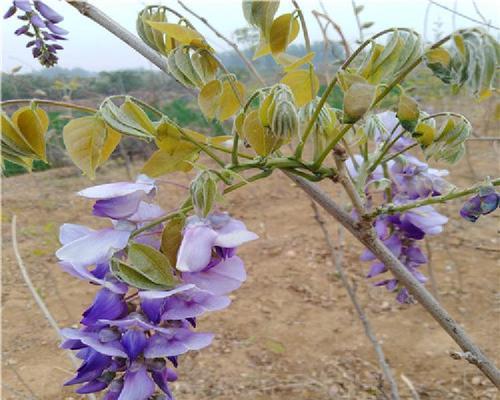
(38, 299)
(430, 269)
(411, 387)
(454, 12)
(245, 60)
(337, 256)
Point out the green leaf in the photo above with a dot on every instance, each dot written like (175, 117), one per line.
(129, 275)
(151, 263)
(171, 237)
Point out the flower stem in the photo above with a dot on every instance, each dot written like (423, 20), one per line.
(453, 194)
(49, 102)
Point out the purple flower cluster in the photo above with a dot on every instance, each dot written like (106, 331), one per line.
(40, 23)
(408, 179)
(129, 339)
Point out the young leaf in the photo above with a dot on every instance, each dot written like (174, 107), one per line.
(408, 112)
(112, 140)
(137, 114)
(424, 134)
(209, 98)
(170, 158)
(14, 138)
(304, 85)
(357, 101)
(33, 123)
(171, 238)
(233, 94)
(151, 263)
(132, 277)
(181, 34)
(291, 63)
(284, 31)
(121, 121)
(84, 139)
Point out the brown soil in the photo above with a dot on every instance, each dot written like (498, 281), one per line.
(291, 332)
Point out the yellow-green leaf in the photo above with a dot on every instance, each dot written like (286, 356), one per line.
(304, 85)
(357, 101)
(408, 112)
(33, 123)
(284, 30)
(13, 136)
(84, 139)
(112, 140)
(182, 34)
(172, 156)
(425, 134)
(290, 62)
(231, 99)
(171, 238)
(209, 98)
(138, 115)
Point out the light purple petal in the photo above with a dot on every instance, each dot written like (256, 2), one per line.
(195, 251)
(94, 247)
(117, 189)
(146, 212)
(234, 234)
(70, 232)
(181, 342)
(163, 294)
(119, 207)
(225, 277)
(81, 272)
(192, 304)
(48, 12)
(138, 385)
(91, 339)
(23, 5)
(56, 29)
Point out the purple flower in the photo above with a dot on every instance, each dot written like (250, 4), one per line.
(202, 236)
(10, 12)
(47, 12)
(107, 305)
(138, 385)
(23, 5)
(37, 21)
(56, 29)
(22, 30)
(485, 202)
(119, 200)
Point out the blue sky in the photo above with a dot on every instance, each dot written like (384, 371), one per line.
(91, 47)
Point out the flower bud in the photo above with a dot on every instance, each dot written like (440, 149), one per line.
(204, 193)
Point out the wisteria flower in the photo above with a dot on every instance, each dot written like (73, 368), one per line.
(483, 203)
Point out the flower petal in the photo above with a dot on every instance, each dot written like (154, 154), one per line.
(137, 385)
(70, 232)
(234, 234)
(117, 189)
(195, 250)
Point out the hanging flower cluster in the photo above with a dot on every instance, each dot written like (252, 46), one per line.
(40, 23)
(129, 338)
(406, 179)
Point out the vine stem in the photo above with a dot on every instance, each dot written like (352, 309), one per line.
(305, 32)
(63, 104)
(454, 194)
(368, 238)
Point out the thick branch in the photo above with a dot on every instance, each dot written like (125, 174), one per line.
(373, 243)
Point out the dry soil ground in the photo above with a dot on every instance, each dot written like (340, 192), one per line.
(291, 332)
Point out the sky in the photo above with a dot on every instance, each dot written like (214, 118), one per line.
(93, 48)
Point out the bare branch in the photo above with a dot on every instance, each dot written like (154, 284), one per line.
(410, 385)
(337, 256)
(430, 269)
(454, 12)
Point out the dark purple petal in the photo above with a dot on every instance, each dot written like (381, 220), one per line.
(93, 386)
(403, 296)
(23, 5)
(153, 309)
(10, 12)
(48, 12)
(162, 378)
(22, 30)
(376, 269)
(118, 207)
(56, 29)
(489, 203)
(134, 342)
(92, 368)
(107, 305)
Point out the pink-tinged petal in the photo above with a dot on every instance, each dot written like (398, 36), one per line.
(195, 251)
(117, 189)
(234, 234)
(146, 212)
(70, 232)
(93, 248)
(138, 385)
(225, 277)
